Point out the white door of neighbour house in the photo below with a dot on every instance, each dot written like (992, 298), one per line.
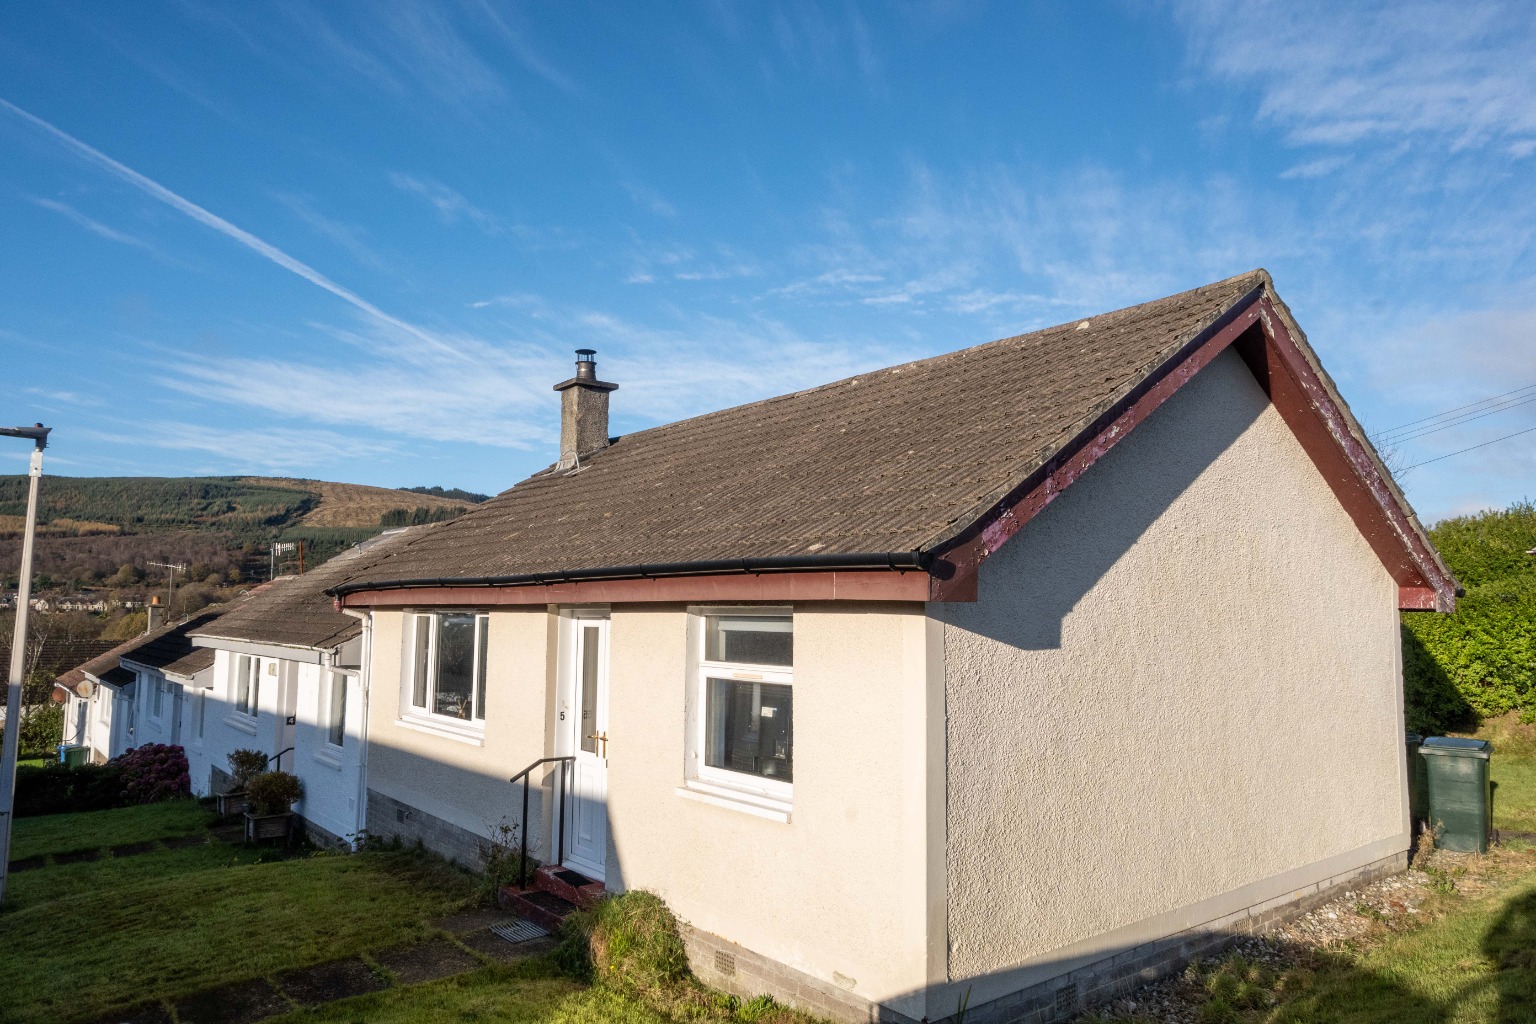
(583, 716)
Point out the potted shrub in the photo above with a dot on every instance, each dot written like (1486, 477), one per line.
(269, 805)
(244, 765)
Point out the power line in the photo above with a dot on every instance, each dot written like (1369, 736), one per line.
(1485, 444)
(1456, 422)
(1459, 408)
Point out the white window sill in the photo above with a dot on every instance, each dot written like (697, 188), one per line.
(329, 758)
(735, 800)
(475, 737)
(244, 723)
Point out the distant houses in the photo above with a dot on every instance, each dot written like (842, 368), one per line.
(1019, 676)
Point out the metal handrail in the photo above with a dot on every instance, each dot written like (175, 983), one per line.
(565, 767)
(278, 757)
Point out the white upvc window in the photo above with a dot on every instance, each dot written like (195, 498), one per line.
(333, 711)
(103, 704)
(741, 732)
(247, 685)
(202, 714)
(444, 678)
(157, 698)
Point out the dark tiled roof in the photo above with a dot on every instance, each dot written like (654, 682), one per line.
(171, 650)
(100, 665)
(118, 677)
(895, 460)
(295, 611)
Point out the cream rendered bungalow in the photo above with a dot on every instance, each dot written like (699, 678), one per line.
(1021, 674)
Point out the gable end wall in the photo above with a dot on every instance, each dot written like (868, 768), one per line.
(1180, 689)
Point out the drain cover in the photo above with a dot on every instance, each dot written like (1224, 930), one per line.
(519, 931)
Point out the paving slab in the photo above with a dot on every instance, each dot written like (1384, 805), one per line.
(182, 842)
(475, 920)
(144, 1013)
(243, 1002)
(498, 949)
(134, 849)
(26, 864)
(76, 856)
(325, 983)
(425, 961)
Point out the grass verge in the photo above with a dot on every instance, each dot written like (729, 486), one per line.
(60, 833)
(103, 936)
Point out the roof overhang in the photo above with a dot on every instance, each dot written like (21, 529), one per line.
(1269, 341)
(198, 678)
(283, 652)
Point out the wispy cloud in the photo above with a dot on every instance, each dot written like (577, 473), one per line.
(492, 393)
(210, 220)
(649, 199)
(96, 227)
(451, 207)
(349, 237)
(521, 46)
(273, 449)
(1338, 74)
(403, 48)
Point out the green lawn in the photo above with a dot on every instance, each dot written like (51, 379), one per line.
(522, 994)
(101, 936)
(1514, 798)
(60, 833)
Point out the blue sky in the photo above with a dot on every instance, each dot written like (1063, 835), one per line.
(360, 241)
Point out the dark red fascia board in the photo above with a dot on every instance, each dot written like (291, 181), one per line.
(1258, 330)
(900, 576)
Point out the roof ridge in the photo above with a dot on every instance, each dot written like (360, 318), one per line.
(1258, 273)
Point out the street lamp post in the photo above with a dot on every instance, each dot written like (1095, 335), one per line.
(38, 435)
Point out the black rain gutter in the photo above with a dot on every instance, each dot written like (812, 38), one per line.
(899, 561)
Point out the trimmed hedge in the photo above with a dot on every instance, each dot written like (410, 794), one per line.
(143, 775)
(1481, 661)
(56, 788)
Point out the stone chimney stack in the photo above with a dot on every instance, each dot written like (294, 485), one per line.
(583, 411)
(156, 614)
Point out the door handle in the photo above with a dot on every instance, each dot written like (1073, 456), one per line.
(601, 737)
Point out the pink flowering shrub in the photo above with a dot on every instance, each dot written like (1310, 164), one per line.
(155, 771)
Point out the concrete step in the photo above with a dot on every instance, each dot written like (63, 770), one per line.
(572, 886)
(542, 908)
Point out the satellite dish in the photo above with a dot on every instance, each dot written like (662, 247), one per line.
(83, 688)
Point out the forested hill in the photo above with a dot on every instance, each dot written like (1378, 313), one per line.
(242, 506)
(108, 532)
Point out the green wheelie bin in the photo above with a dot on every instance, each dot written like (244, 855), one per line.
(1460, 792)
(1417, 798)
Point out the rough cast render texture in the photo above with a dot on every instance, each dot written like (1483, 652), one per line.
(839, 892)
(1180, 680)
(463, 782)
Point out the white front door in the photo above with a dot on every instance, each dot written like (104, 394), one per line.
(584, 714)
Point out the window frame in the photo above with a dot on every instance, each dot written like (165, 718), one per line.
(774, 794)
(200, 721)
(412, 663)
(247, 704)
(335, 678)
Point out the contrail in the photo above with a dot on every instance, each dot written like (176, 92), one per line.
(224, 227)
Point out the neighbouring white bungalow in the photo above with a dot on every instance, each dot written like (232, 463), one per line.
(136, 693)
(286, 678)
(1022, 674)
